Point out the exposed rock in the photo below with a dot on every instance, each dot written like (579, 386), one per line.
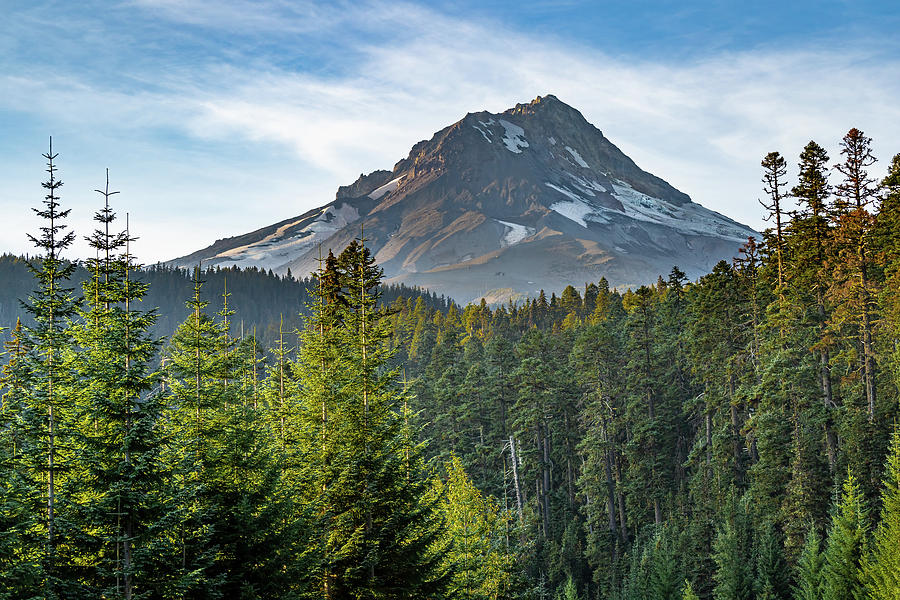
(501, 206)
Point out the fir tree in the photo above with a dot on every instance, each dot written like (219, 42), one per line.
(734, 573)
(121, 496)
(842, 577)
(687, 592)
(808, 578)
(365, 479)
(775, 169)
(48, 396)
(479, 558)
(771, 581)
(882, 566)
(855, 196)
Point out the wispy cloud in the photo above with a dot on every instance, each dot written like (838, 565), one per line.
(703, 125)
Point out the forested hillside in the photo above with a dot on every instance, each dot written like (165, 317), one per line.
(267, 303)
(732, 438)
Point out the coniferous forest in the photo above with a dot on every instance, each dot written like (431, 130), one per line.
(732, 438)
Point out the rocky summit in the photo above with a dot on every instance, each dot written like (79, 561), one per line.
(500, 206)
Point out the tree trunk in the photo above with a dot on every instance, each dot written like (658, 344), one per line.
(515, 470)
(546, 482)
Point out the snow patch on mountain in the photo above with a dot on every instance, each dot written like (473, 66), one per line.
(575, 208)
(588, 186)
(486, 132)
(387, 188)
(280, 246)
(513, 137)
(689, 218)
(514, 233)
(577, 157)
(483, 134)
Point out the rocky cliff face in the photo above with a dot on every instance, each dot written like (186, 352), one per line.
(501, 206)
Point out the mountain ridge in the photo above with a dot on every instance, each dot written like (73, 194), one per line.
(499, 206)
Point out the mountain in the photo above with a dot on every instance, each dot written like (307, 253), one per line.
(501, 206)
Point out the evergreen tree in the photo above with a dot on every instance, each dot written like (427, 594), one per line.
(734, 573)
(688, 591)
(854, 284)
(842, 577)
(810, 246)
(122, 504)
(771, 582)
(20, 540)
(808, 578)
(479, 556)
(193, 385)
(569, 591)
(775, 169)
(365, 477)
(47, 399)
(882, 566)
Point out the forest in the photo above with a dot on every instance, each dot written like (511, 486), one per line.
(730, 438)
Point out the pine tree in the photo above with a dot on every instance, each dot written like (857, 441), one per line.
(882, 566)
(569, 591)
(886, 237)
(688, 591)
(771, 581)
(665, 572)
(364, 478)
(47, 398)
(240, 533)
(775, 169)
(808, 576)
(855, 196)
(810, 245)
(20, 541)
(479, 558)
(193, 386)
(734, 573)
(842, 577)
(121, 499)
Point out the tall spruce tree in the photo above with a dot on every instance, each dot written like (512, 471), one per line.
(808, 573)
(854, 284)
(365, 479)
(20, 541)
(479, 556)
(810, 244)
(47, 399)
(842, 577)
(121, 497)
(882, 566)
(774, 171)
(734, 573)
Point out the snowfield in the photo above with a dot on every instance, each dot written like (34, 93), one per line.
(279, 248)
(513, 137)
(387, 188)
(577, 157)
(691, 219)
(514, 234)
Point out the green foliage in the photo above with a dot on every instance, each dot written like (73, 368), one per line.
(882, 566)
(377, 530)
(688, 591)
(734, 573)
(808, 573)
(677, 440)
(479, 557)
(842, 576)
(771, 578)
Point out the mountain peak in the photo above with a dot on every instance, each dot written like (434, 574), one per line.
(502, 205)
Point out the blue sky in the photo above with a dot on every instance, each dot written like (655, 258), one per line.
(216, 118)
